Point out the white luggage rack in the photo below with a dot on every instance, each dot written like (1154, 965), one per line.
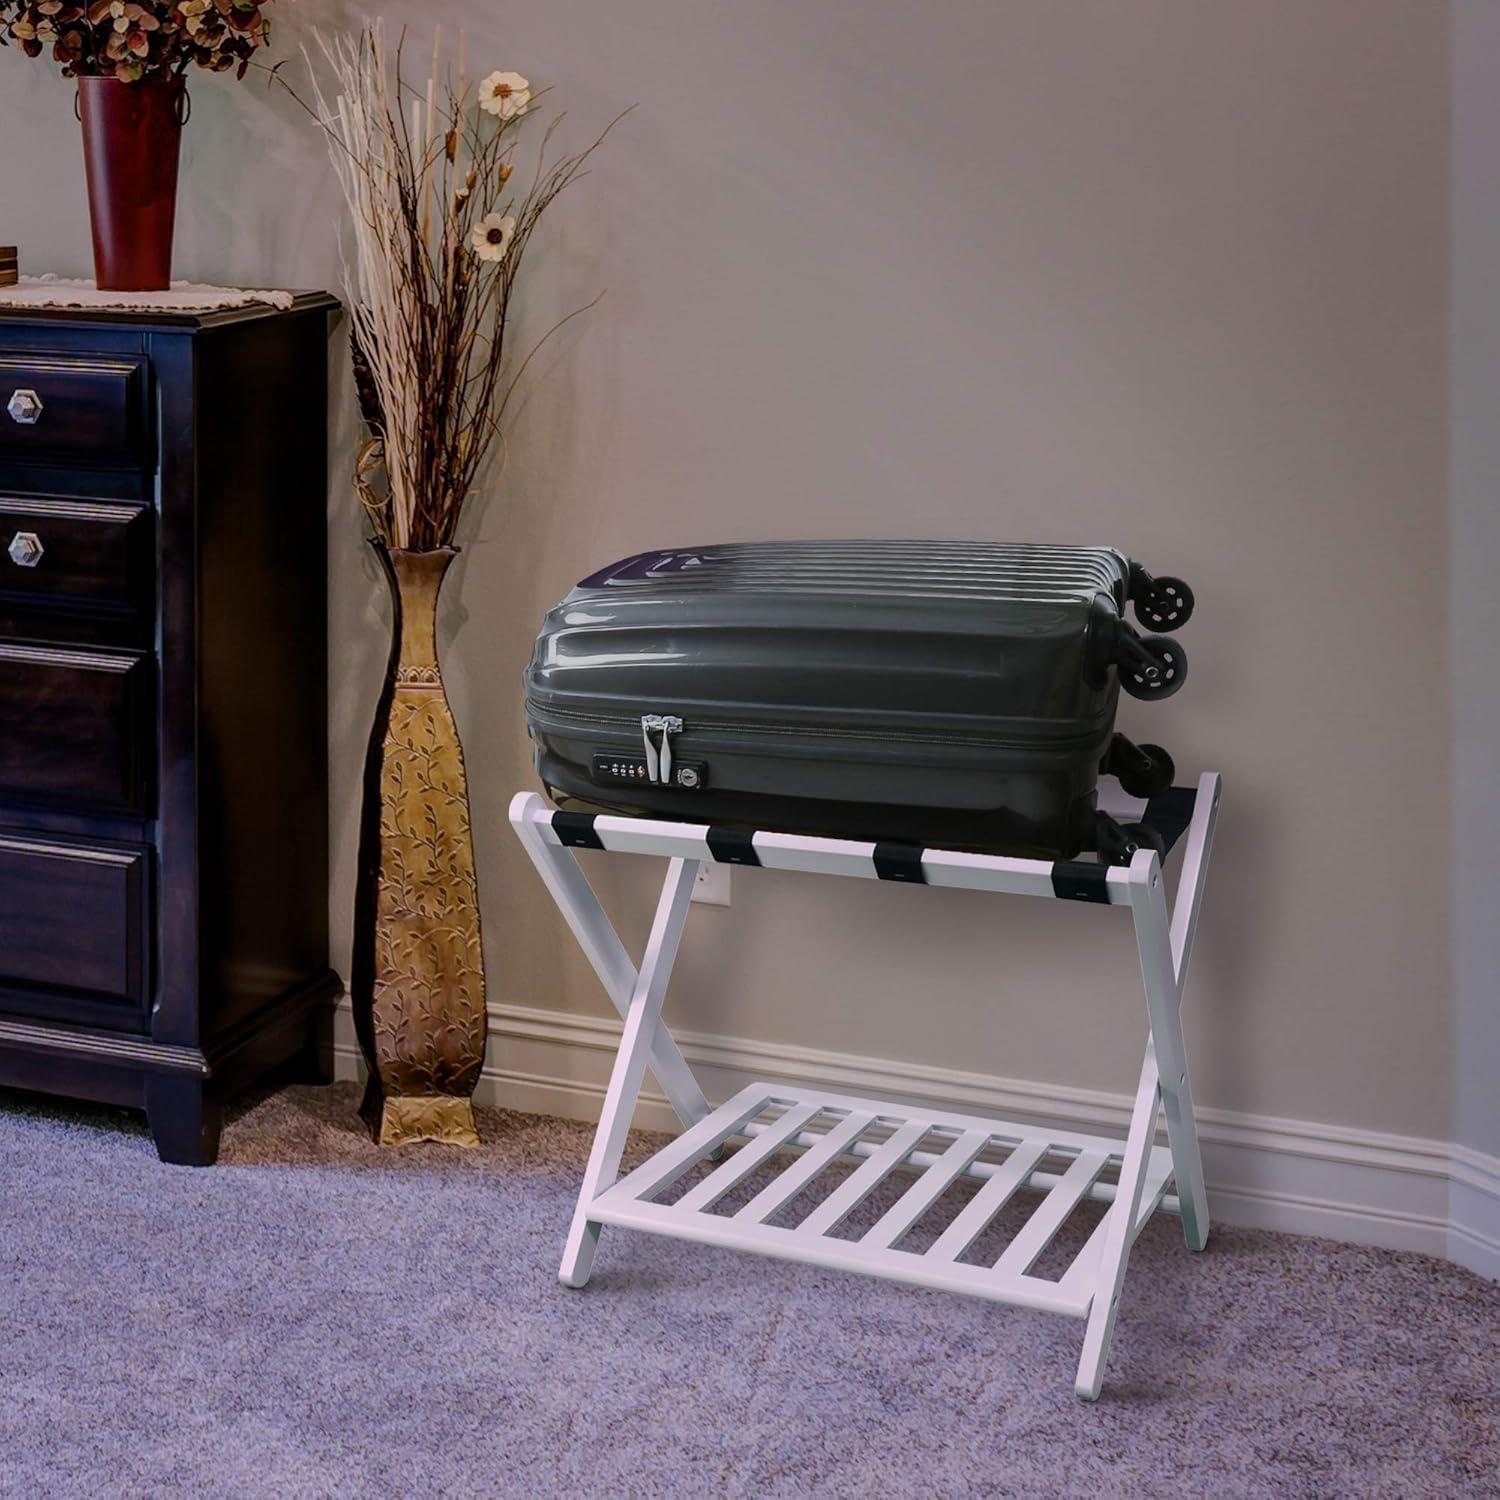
(877, 1138)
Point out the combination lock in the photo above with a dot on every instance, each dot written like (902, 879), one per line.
(633, 770)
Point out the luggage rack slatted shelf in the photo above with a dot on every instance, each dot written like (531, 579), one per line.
(794, 1141)
(630, 1202)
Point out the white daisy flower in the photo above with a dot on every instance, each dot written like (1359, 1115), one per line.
(492, 235)
(505, 94)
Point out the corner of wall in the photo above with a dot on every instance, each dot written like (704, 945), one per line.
(1474, 487)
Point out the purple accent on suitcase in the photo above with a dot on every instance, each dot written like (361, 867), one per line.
(642, 566)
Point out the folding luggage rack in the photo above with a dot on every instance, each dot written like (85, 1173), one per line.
(876, 1138)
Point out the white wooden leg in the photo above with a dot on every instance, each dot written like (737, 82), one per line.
(1119, 1233)
(580, 907)
(1163, 1002)
(1179, 1103)
(1189, 901)
(642, 1030)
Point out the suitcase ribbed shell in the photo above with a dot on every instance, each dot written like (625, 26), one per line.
(880, 569)
(947, 688)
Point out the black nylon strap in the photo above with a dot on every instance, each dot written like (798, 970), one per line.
(1078, 880)
(576, 830)
(900, 862)
(1170, 812)
(732, 846)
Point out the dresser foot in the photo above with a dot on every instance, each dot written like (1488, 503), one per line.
(186, 1117)
(315, 1065)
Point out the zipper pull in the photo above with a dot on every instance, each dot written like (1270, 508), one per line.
(659, 763)
(670, 725)
(653, 764)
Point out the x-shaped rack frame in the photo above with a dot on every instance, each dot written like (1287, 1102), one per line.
(874, 1137)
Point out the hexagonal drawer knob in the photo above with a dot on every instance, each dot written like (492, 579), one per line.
(25, 407)
(26, 549)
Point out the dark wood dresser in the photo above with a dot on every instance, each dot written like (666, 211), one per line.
(163, 708)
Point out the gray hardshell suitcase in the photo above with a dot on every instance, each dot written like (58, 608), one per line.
(944, 693)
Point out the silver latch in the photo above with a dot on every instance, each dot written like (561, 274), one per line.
(659, 760)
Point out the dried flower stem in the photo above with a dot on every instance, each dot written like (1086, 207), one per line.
(437, 244)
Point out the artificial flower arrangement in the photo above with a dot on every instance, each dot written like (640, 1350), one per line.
(129, 60)
(135, 39)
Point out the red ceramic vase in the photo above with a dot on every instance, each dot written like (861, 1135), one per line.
(132, 133)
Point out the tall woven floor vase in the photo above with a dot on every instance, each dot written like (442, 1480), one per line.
(418, 966)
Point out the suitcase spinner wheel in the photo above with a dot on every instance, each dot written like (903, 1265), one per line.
(1142, 770)
(1164, 603)
(1150, 666)
(1118, 843)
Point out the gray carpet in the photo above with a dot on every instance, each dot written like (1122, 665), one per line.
(316, 1318)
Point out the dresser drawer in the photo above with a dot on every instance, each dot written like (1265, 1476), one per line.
(74, 552)
(75, 409)
(76, 727)
(75, 920)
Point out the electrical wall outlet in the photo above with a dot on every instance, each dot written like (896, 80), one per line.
(712, 885)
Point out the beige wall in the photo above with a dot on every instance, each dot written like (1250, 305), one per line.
(1166, 275)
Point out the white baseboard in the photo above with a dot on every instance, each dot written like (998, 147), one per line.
(1474, 1211)
(1367, 1187)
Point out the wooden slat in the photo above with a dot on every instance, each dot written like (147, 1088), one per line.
(747, 1158)
(988, 1201)
(859, 1185)
(1036, 1234)
(692, 1145)
(1099, 1192)
(1004, 1132)
(1082, 1275)
(807, 1166)
(842, 1255)
(926, 1190)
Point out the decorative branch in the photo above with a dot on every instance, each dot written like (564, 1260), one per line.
(437, 244)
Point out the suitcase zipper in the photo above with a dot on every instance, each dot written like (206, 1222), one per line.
(659, 761)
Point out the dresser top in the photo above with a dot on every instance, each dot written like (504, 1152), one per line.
(137, 317)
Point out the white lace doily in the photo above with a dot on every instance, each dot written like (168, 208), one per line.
(181, 296)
